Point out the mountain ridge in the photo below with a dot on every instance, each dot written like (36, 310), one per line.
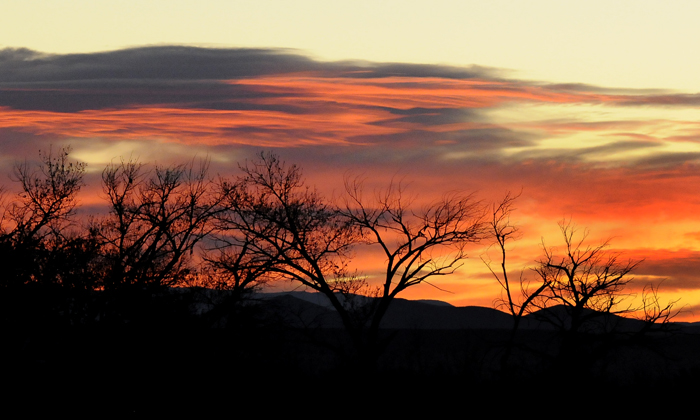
(439, 315)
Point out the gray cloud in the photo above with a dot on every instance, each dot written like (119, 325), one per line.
(191, 77)
(582, 87)
(668, 159)
(475, 140)
(174, 75)
(664, 100)
(192, 63)
(157, 63)
(73, 96)
(630, 97)
(435, 116)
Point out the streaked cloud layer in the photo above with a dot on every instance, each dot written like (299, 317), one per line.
(622, 162)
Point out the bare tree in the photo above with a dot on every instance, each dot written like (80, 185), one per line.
(235, 267)
(654, 312)
(417, 244)
(47, 260)
(281, 228)
(156, 218)
(229, 275)
(35, 223)
(47, 199)
(517, 296)
(586, 286)
(587, 280)
(578, 289)
(306, 239)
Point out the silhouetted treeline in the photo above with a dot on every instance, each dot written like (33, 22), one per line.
(59, 269)
(177, 250)
(261, 225)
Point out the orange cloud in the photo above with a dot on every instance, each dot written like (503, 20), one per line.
(254, 127)
(409, 92)
(311, 110)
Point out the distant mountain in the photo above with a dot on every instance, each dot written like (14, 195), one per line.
(304, 308)
(314, 309)
(558, 317)
(309, 308)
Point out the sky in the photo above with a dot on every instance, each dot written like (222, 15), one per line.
(588, 110)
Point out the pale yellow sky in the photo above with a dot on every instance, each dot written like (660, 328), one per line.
(636, 44)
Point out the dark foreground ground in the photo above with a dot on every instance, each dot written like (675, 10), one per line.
(288, 361)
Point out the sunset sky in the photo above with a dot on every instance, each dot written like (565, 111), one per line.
(589, 109)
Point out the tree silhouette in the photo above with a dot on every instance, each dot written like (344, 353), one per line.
(39, 242)
(155, 220)
(587, 280)
(306, 239)
(178, 249)
(273, 225)
(517, 297)
(227, 279)
(417, 244)
(44, 207)
(578, 289)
